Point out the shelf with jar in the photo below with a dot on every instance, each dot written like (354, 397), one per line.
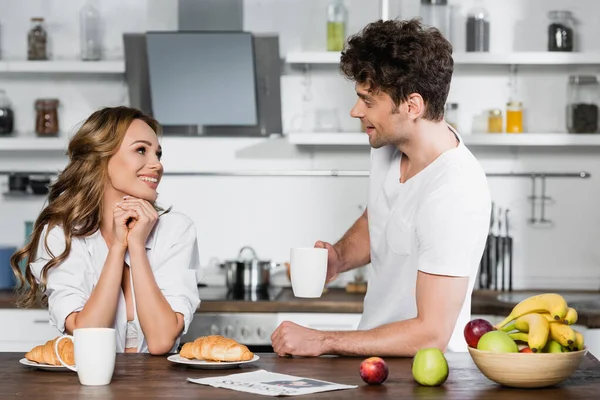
(476, 139)
(90, 59)
(63, 66)
(464, 58)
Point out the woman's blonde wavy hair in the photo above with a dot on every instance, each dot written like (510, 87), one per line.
(75, 198)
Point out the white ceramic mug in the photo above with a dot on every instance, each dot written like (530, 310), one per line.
(308, 271)
(95, 353)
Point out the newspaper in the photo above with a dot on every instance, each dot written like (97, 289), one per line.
(270, 384)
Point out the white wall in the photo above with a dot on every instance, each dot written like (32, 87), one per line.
(274, 214)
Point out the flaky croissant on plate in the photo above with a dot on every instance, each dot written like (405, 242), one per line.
(216, 348)
(44, 353)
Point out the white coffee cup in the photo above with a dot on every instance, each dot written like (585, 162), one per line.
(308, 271)
(95, 353)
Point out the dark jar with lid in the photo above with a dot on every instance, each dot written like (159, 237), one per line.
(583, 99)
(46, 122)
(561, 32)
(37, 39)
(6, 115)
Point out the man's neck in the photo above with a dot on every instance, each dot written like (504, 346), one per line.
(426, 144)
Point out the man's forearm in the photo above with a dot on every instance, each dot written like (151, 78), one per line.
(396, 339)
(354, 247)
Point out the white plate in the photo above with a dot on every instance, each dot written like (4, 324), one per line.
(201, 364)
(45, 367)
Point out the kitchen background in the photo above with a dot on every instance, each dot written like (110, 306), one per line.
(554, 243)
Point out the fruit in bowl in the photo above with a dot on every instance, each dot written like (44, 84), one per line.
(534, 346)
(497, 342)
(475, 329)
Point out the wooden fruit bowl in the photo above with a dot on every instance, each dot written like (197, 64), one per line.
(527, 370)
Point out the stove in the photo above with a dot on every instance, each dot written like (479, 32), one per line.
(249, 328)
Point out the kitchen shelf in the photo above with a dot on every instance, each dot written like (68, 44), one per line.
(479, 139)
(63, 66)
(33, 144)
(518, 58)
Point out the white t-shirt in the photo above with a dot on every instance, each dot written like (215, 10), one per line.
(436, 222)
(172, 251)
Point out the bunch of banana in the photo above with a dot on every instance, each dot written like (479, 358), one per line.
(542, 322)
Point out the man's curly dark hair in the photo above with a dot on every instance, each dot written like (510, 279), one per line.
(399, 58)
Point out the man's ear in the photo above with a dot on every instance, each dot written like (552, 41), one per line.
(415, 106)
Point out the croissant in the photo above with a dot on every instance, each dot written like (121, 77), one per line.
(216, 348)
(44, 353)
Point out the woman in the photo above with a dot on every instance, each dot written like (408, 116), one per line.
(102, 255)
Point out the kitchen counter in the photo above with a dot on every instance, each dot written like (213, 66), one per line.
(141, 376)
(484, 302)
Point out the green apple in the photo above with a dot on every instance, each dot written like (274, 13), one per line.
(430, 367)
(497, 342)
(552, 347)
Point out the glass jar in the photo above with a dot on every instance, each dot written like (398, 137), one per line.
(337, 17)
(514, 117)
(561, 31)
(6, 115)
(582, 104)
(495, 121)
(89, 32)
(436, 13)
(46, 122)
(451, 115)
(37, 39)
(478, 29)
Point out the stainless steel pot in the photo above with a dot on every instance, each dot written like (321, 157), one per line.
(249, 274)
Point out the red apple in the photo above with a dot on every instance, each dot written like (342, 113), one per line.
(525, 350)
(374, 370)
(476, 329)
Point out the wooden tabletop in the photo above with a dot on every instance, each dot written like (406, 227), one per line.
(141, 376)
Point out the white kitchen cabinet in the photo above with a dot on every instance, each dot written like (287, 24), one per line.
(23, 329)
(322, 321)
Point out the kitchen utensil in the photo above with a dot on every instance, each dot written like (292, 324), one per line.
(249, 274)
(509, 250)
(491, 260)
(499, 251)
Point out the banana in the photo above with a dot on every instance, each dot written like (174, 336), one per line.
(579, 343)
(563, 334)
(552, 303)
(571, 316)
(520, 336)
(538, 328)
(510, 327)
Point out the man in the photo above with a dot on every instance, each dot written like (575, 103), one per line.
(429, 204)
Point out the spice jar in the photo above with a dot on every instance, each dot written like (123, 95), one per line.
(37, 39)
(582, 104)
(46, 122)
(495, 122)
(451, 115)
(514, 117)
(6, 115)
(560, 31)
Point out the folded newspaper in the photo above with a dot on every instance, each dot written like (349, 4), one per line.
(270, 384)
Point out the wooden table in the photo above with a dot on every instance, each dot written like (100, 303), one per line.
(141, 376)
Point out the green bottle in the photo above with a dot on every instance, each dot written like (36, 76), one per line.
(337, 16)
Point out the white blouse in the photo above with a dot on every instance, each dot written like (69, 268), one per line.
(172, 251)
